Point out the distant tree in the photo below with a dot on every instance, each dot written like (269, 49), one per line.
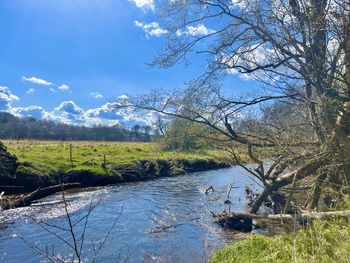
(136, 129)
(184, 135)
(29, 128)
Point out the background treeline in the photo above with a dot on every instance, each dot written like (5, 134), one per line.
(12, 127)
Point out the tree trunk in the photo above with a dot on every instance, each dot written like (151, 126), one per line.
(310, 167)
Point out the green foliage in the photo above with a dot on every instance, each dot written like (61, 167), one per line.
(324, 241)
(184, 135)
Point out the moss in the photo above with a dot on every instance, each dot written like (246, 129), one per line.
(8, 162)
(324, 241)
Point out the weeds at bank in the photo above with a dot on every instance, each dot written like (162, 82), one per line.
(321, 241)
(324, 241)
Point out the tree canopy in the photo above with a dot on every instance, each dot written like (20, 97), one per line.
(298, 51)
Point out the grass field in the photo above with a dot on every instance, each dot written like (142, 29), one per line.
(55, 155)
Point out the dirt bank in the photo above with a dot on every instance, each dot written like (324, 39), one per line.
(26, 182)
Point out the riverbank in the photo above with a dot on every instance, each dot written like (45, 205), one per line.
(322, 241)
(317, 240)
(48, 163)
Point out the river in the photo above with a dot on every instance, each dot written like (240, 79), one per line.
(163, 220)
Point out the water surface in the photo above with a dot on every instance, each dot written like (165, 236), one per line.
(164, 220)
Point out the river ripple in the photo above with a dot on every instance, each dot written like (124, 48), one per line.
(164, 220)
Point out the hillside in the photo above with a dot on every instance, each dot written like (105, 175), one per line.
(13, 127)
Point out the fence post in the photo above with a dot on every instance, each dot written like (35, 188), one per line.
(71, 154)
(104, 162)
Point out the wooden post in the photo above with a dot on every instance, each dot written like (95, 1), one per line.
(71, 154)
(104, 162)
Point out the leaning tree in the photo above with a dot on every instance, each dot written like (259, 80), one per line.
(298, 53)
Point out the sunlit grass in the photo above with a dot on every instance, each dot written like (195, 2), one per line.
(324, 241)
(55, 155)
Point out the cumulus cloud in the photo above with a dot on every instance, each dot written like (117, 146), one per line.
(123, 97)
(31, 90)
(67, 112)
(6, 98)
(239, 3)
(250, 57)
(34, 111)
(151, 29)
(144, 4)
(37, 81)
(107, 114)
(103, 115)
(96, 95)
(52, 90)
(198, 30)
(64, 87)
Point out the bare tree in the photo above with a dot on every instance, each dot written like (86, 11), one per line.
(299, 53)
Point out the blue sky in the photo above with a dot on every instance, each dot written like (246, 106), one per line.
(64, 59)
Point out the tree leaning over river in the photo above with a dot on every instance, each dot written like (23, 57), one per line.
(298, 51)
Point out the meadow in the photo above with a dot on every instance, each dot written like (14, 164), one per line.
(65, 156)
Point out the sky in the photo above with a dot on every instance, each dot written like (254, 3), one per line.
(65, 60)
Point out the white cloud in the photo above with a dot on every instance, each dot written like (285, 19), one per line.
(198, 30)
(6, 98)
(108, 115)
(52, 90)
(67, 112)
(123, 97)
(64, 87)
(103, 115)
(33, 111)
(31, 90)
(37, 81)
(96, 95)
(239, 3)
(250, 57)
(151, 29)
(144, 4)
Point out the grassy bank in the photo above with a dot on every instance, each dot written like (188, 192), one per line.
(321, 241)
(324, 241)
(53, 156)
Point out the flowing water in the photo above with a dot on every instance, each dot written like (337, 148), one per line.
(163, 220)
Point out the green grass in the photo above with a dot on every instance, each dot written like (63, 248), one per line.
(324, 241)
(51, 156)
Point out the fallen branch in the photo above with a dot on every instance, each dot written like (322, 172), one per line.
(25, 200)
(244, 221)
(308, 216)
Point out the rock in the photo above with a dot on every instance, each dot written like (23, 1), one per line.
(239, 223)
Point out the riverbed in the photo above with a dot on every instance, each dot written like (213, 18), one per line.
(164, 220)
